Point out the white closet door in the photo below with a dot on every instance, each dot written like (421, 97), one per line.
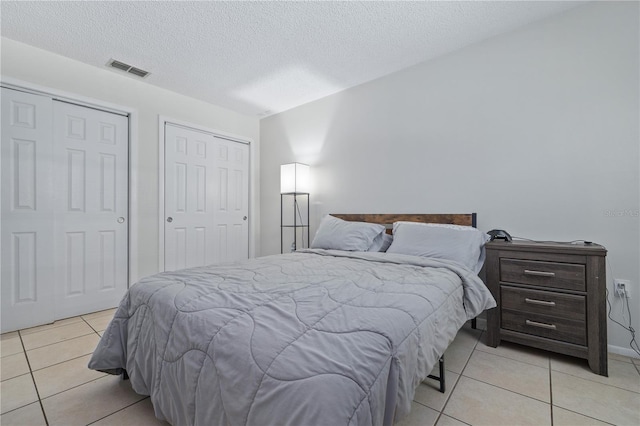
(91, 208)
(231, 201)
(27, 228)
(189, 213)
(206, 199)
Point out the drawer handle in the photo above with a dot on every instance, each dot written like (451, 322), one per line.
(539, 273)
(541, 324)
(539, 302)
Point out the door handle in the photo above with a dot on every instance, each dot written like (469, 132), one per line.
(169, 219)
(121, 219)
(244, 218)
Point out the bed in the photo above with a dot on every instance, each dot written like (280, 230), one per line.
(316, 337)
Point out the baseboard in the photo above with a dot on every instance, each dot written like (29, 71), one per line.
(619, 350)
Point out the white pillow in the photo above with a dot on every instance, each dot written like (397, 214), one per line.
(462, 244)
(338, 234)
(381, 242)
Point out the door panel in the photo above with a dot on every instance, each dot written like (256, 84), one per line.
(206, 192)
(232, 207)
(188, 172)
(27, 232)
(91, 208)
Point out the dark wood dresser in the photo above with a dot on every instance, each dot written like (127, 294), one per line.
(550, 296)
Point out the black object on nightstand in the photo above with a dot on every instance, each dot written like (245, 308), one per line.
(550, 296)
(299, 221)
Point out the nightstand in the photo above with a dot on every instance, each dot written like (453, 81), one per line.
(550, 296)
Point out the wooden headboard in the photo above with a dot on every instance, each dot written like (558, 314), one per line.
(465, 219)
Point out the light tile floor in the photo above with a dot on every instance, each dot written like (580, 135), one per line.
(45, 380)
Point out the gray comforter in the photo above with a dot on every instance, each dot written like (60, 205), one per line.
(309, 338)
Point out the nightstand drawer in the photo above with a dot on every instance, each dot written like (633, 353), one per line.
(543, 302)
(546, 274)
(562, 329)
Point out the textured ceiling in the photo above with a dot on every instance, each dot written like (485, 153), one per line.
(263, 57)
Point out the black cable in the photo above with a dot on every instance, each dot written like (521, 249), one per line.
(546, 241)
(630, 328)
(300, 216)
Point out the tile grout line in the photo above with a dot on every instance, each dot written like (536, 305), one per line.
(31, 371)
(90, 326)
(77, 386)
(117, 411)
(512, 359)
(35, 386)
(500, 387)
(595, 381)
(448, 415)
(550, 392)
(64, 340)
(508, 390)
(563, 372)
(50, 328)
(62, 362)
(67, 360)
(80, 317)
(441, 412)
(584, 415)
(444, 406)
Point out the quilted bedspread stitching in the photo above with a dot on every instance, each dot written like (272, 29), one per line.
(194, 297)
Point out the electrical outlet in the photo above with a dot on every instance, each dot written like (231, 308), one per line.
(622, 288)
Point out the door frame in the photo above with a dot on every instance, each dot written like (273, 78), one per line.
(162, 121)
(132, 116)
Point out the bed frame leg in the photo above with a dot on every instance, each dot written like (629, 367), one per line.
(125, 376)
(441, 372)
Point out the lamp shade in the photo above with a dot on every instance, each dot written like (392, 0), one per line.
(294, 178)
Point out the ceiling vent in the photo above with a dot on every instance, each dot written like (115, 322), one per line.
(127, 68)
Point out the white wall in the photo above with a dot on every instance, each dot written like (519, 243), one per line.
(24, 62)
(537, 131)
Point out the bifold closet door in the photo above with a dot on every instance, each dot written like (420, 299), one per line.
(206, 199)
(90, 159)
(64, 210)
(27, 209)
(189, 217)
(231, 201)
